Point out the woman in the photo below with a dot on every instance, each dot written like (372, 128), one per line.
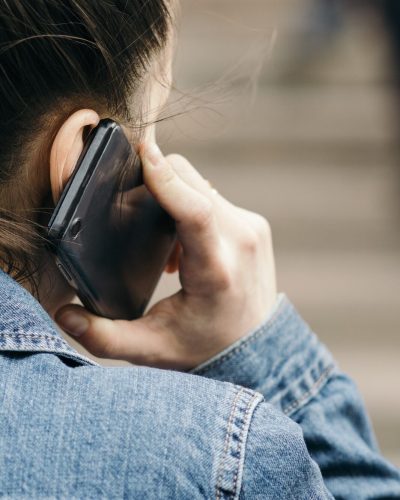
(262, 410)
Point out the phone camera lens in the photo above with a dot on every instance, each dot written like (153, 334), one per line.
(75, 227)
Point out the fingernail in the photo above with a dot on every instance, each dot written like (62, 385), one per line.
(74, 324)
(154, 155)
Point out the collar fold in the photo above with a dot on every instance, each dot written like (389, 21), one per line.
(26, 327)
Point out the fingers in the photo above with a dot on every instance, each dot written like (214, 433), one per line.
(190, 175)
(133, 341)
(193, 178)
(186, 204)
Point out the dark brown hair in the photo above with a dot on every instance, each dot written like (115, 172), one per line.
(57, 56)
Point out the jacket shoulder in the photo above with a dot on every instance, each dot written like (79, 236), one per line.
(113, 432)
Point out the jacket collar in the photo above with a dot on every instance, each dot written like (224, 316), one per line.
(26, 327)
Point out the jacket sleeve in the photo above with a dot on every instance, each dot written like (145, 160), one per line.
(286, 363)
(277, 463)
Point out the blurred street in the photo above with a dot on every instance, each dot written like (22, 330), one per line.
(309, 141)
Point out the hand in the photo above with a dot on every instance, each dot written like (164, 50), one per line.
(226, 269)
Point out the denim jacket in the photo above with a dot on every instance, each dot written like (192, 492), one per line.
(270, 417)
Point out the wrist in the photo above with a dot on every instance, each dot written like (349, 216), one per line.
(282, 358)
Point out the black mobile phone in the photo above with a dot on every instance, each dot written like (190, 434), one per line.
(110, 237)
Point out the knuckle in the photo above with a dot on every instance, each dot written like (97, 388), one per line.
(256, 234)
(221, 274)
(222, 281)
(167, 174)
(262, 226)
(202, 215)
(178, 161)
(250, 241)
(161, 176)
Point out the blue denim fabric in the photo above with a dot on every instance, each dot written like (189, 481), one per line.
(286, 363)
(271, 417)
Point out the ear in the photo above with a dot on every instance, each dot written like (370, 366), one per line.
(67, 147)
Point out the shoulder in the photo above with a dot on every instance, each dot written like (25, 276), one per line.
(277, 462)
(120, 431)
(90, 431)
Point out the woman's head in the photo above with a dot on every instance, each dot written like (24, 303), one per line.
(58, 59)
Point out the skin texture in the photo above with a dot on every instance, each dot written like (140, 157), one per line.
(224, 258)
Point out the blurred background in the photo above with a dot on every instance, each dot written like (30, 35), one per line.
(292, 111)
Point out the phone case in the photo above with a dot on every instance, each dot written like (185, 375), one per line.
(111, 238)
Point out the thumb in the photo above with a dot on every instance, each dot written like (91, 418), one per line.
(134, 341)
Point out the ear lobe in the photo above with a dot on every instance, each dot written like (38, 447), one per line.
(67, 147)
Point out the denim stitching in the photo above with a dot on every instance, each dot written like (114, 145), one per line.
(249, 405)
(54, 345)
(21, 333)
(226, 444)
(317, 385)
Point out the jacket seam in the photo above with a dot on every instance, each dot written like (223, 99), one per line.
(54, 338)
(312, 391)
(233, 448)
(226, 445)
(55, 345)
(246, 415)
